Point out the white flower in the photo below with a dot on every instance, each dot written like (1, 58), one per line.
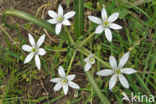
(89, 61)
(105, 23)
(34, 50)
(64, 81)
(60, 19)
(117, 71)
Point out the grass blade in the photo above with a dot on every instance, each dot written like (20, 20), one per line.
(33, 19)
(79, 17)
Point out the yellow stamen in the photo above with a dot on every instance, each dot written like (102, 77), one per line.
(64, 81)
(118, 71)
(106, 23)
(33, 50)
(91, 60)
(59, 18)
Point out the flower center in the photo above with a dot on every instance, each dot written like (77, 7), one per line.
(118, 71)
(60, 19)
(64, 81)
(106, 23)
(91, 60)
(33, 50)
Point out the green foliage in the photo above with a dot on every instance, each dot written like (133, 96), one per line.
(79, 17)
(137, 36)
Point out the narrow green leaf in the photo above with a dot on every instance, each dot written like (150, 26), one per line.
(79, 17)
(54, 99)
(33, 19)
(56, 49)
(103, 99)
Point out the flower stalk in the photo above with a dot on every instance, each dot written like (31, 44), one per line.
(71, 39)
(71, 61)
(85, 40)
(103, 99)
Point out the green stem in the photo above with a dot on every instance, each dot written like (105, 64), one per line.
(103, 99)
(85, 40)
(71, 39)
(71, 61)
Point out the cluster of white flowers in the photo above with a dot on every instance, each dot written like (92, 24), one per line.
(66, 80)
(116, 71)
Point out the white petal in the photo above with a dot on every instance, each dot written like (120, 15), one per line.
(87, 66)
(128, 71)
(99, 29)
(105, 72)
(73, 85)
(113, 17)
(95, 19)
(57, 87)
(108, 34)
(52, 14)
(69, 14)
(123, 81)
(71, 77)
(52, 21)
(40, 40)
(65, 89)
(91, 55)
(112, 81)
(41, 51)
(87, 59)
(61, 71)
(58, 28)
(27, 48)
(29, 57)
(31, 40)
(37, 61)
(112, 62)
(93, 61)
(104, 13)
(115, 26)
(60, 10)
(56, 80)
(123, 60)
(66, 22)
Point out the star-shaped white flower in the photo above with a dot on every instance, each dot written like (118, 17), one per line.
(60, 19)
(34, 50)
(105, 23)
(89, 61)
(64, 81)
(117, 71)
